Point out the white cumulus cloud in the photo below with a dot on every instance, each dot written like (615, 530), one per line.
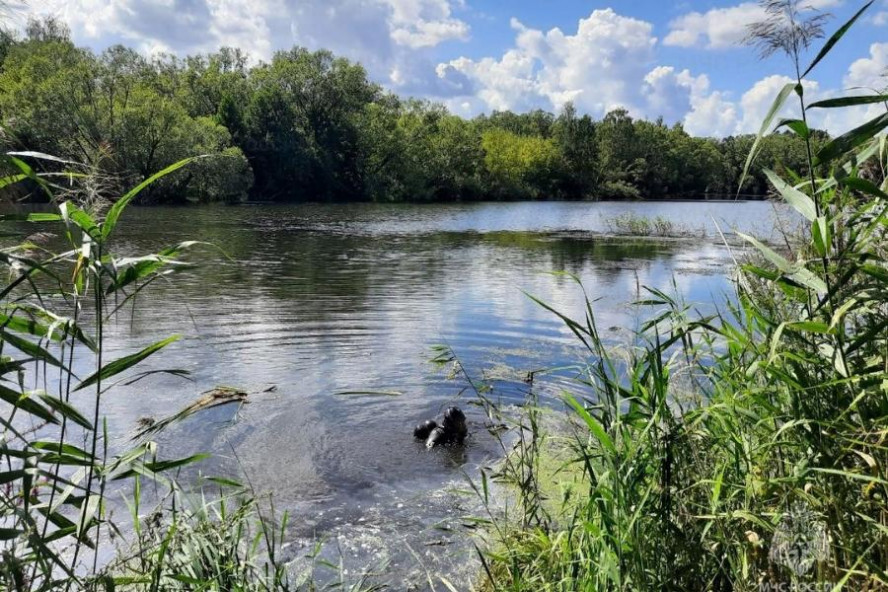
(599, 67)
(864, 76)
(721, 28)
(870, 72)
(425, 23)
(370, 30)
(680, 96)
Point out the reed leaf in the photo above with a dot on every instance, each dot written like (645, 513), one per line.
(835, 38)
(125, 363)
(778, 103)
(120, 205)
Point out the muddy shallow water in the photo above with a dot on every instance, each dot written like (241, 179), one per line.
(321, 300)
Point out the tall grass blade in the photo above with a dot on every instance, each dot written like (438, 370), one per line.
(800, 202)
(848, 102)
(778, 103)
(836, 37)
(851, 140)
(117, 209)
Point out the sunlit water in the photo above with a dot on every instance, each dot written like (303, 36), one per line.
(320, 300)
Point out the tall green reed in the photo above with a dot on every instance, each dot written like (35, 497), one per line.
(746, 450)
(56, 463)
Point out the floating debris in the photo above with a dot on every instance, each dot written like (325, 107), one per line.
(221, 395)
(370, 393)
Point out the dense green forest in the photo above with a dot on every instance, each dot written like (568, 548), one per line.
(309, 126)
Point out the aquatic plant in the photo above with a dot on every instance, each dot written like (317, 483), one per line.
(57, 465)
(745, 450)
(633, 224)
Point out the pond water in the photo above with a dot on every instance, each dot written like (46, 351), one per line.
(318, 300)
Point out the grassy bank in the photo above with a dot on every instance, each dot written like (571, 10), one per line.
(745, 450)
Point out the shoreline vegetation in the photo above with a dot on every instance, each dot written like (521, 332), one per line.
(743, 450)
(309, 126)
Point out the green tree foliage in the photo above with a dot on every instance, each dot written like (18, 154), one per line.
(302, 125)
(113, 112)
(525, 166)
(309, 126)
(416, 151)
(577, 142)
(535, 123)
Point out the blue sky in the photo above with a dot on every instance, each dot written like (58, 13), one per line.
(678, 60)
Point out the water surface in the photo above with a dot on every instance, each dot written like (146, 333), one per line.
(317, 300)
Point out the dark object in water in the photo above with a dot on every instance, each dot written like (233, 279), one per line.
(438, 436)
(422, 431)
(452, 430)
(455, 423)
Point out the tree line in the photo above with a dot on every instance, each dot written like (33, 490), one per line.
(310, 126)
